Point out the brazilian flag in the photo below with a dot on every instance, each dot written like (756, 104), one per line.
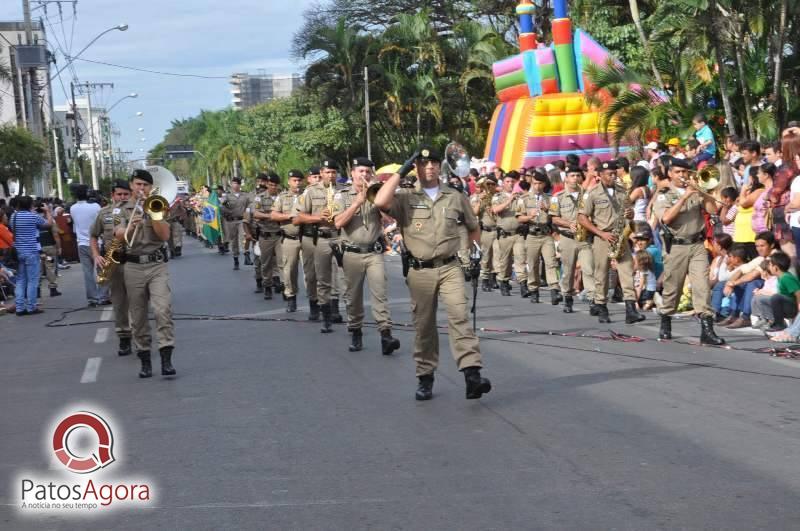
(211, 224)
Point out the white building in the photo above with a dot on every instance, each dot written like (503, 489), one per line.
(74, 126)
(251, 89)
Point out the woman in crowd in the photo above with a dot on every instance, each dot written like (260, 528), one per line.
(640, 193)
(743, 233)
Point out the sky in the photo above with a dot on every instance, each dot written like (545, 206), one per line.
(201, 37)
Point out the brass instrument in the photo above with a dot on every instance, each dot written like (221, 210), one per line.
(105, 273)
(329, 202)
(456, 160)
(372, 191)
(156, 204)
(581, 233)
(705, 180)
(622, 229)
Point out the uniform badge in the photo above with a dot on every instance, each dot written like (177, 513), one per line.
(425, 153)
(418, 226)
(661, 197)
(586, 196)
(337, 196)
(116, 211)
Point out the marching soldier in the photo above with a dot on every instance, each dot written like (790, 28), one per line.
(283, 211)
(540, 239)
(362, 246)
(233, 210)
(314, 210)
(251, 226)
(680, 211)
(507, 205)
(428, 219)
(269, 231)
(104, 228)
(482, 208)
(603, 206)
(147, 276)
(564, 209)
(176, 217)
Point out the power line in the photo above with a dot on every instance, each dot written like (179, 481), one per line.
(148, 71)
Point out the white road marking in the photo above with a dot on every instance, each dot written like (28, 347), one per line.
(106, 315)
(101, 336)
(91, 370)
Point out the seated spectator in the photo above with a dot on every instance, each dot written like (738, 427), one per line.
(761, 296)
(784, 304)
(725, 261)
(644, 280)
(707, 149)
(745, 279)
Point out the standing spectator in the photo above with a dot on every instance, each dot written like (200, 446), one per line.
(751, 156)
(761, 206)
(772, 153)
(639, 193)
(83, 215)
(472, 179)
(6, 237)
(50, 245)
(26, 225)
(743, 233)
(707, 150)
(727, 214)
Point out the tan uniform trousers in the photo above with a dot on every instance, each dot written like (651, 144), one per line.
(488, 240)
(338, 280)
(536, 247)
(257, 266)
(576, 253)
(358, 266)
(234, 234)
(119, 300)
(290, 265)
(310, 268)
(49, 268)
(466, 246)
(506, 247)
(149, 283)
(600, 249)
(175, 234)
(682, 261)
(269, 247)
(425, 287)
(323, 266)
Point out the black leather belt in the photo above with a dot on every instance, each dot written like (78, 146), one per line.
(269, 234)
(487, 229)
(697, 238)
(365, 248)
(327, 234)
(570, 235)
(289, 237)
(503, 234)
(233, 218)
(153, 258)
(538, 231)
(429, 264)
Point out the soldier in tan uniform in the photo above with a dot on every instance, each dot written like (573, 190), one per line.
(428, 219)
(482, 208)
(269, 234)
(314, 213)
(233, 208)
(177, 217)
(539, 242)
(507, 205)
(362, 244)
(104, 228)
(680, 211)
(283, 211)
(251, 233)
(603, 206)
(147, 277)
(564, 209)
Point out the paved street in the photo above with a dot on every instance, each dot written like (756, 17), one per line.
(272, 425)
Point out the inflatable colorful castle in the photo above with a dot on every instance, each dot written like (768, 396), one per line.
(543, 113)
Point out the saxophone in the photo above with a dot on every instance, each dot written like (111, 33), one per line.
(622, 229)
(329, 204)
(104, 273)
(581, 234)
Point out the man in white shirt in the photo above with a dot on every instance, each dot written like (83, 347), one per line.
(83, 215)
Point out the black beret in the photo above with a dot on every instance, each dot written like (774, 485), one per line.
(237, 180)
(429, 153)
(491, 178)
(680, 163)
(273, 178)
(142, 175)
(540, 177)
(120, 183)
(314, 170)
(330, 164)
(514, 174)
(296, 173)
(262, 177)
(363, 161)
(574, 169)
(609, 165)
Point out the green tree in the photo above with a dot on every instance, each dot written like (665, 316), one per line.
(21, 157)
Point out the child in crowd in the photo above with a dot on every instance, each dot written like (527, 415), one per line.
(783, 304)
(719, 273)
(761, 296)
(729, 209)
(644, 280)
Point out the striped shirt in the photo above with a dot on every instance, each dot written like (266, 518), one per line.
(26, 231)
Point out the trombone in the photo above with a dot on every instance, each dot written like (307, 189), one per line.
(704, 181)
(156, 204)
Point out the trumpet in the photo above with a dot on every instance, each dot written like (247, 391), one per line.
(705, 180)
(329, 204)
(372, 191)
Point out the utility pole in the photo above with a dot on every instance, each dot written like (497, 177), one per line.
(76, 133)
(92, 145)
(366, 111)
(58, 164)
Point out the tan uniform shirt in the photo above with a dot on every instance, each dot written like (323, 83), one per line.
(103, 226)
(234, 205)
(314, 200)
(366, 226)
(146, 242)
(602, 208)
(263, 202)
(564, 205)
(485, 214)
(430, 228)
(507, 219)
(533, 204)
(690, 219)
(286, 203)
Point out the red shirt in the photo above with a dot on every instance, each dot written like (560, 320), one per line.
(6, 237)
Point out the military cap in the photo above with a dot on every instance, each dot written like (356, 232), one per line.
(491, 179)
(574, 169)
(330, 164)
(296, 173)
(237, 180)
(429, 153)
(262, 177)
(680, 163)
(120, 183)
(514, 174)
(314, 170)
(142, 175)
(273, 178)
(363, 161)
(609, 165)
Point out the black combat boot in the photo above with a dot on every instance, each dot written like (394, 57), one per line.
(221, 249)
(247, 260)
(505, 288)
(55, 293)
(486, 285)
(618, 295)
(356, 342)
(494, 283)
(279, 286)
(534, 296)
(476, 385)
(147, 368)
(425, 387)
(124, 346)
(313, 312)
(267, 293)
(326, 318)
(594, 310)
(388, 343)
(707, 334)
(555, 297)
(665, 330)
(291, 304)
(523, 290)
(178, 251)
(602, 313)
(166, 362)
(172, 253)
(568, 304)
(259, 286)
(236, 263)
(336, 317)
(631, 315)
(227, 247)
